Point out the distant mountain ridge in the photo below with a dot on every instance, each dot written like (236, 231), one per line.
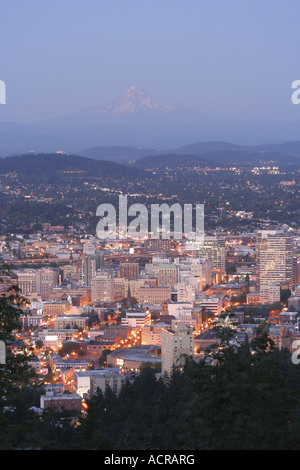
(288, 148)
(174, 161)
(117, 153)
(223, 154)
(210, 154)
(137, 119)
(50, 165)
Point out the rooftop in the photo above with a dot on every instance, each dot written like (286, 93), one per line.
(147, 353)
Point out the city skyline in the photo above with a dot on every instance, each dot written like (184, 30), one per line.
(149, 227)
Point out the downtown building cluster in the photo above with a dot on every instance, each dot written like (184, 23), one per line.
(96, 311)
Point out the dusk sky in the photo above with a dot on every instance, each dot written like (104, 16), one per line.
(229, 58)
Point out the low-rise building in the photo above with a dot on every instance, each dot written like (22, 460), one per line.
(269, 293)
(31, 320)
(70, 321)
(151, 334)
(134, 318)
(131, 359)
(84, 384)
(60, 401)
(55, 307)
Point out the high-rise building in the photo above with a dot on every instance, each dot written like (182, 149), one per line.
(167, 275)
(99, 257)
(186, 292)
(274, 256)
(194, 271)
(27, 282)
(269, 293)
(177, 343)
(46, 279)
(129, 270)
(102, 289)
(213, 250)
(88, 270)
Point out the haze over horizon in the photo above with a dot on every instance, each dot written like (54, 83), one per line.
(137, 119)
(225, 59)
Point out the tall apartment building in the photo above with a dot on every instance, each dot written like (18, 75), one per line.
(129, 270)
(99, 257)
(186, 292)
(46, 279)
(177, 342)
(269, 293)
(274, 257)
(213, 250)
(102, 289)
(88, 270)
(167, 275)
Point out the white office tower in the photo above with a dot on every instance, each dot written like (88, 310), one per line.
(274, 256)
(194, 271)
(186, 292)
(46, 279)
(88, 270)
(177, 342)
(102, 287)
(27, 281)
(213, 250)
(269, 293)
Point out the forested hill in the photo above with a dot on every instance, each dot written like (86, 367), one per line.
(174, 161)
(58, 164)
(219, 158)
